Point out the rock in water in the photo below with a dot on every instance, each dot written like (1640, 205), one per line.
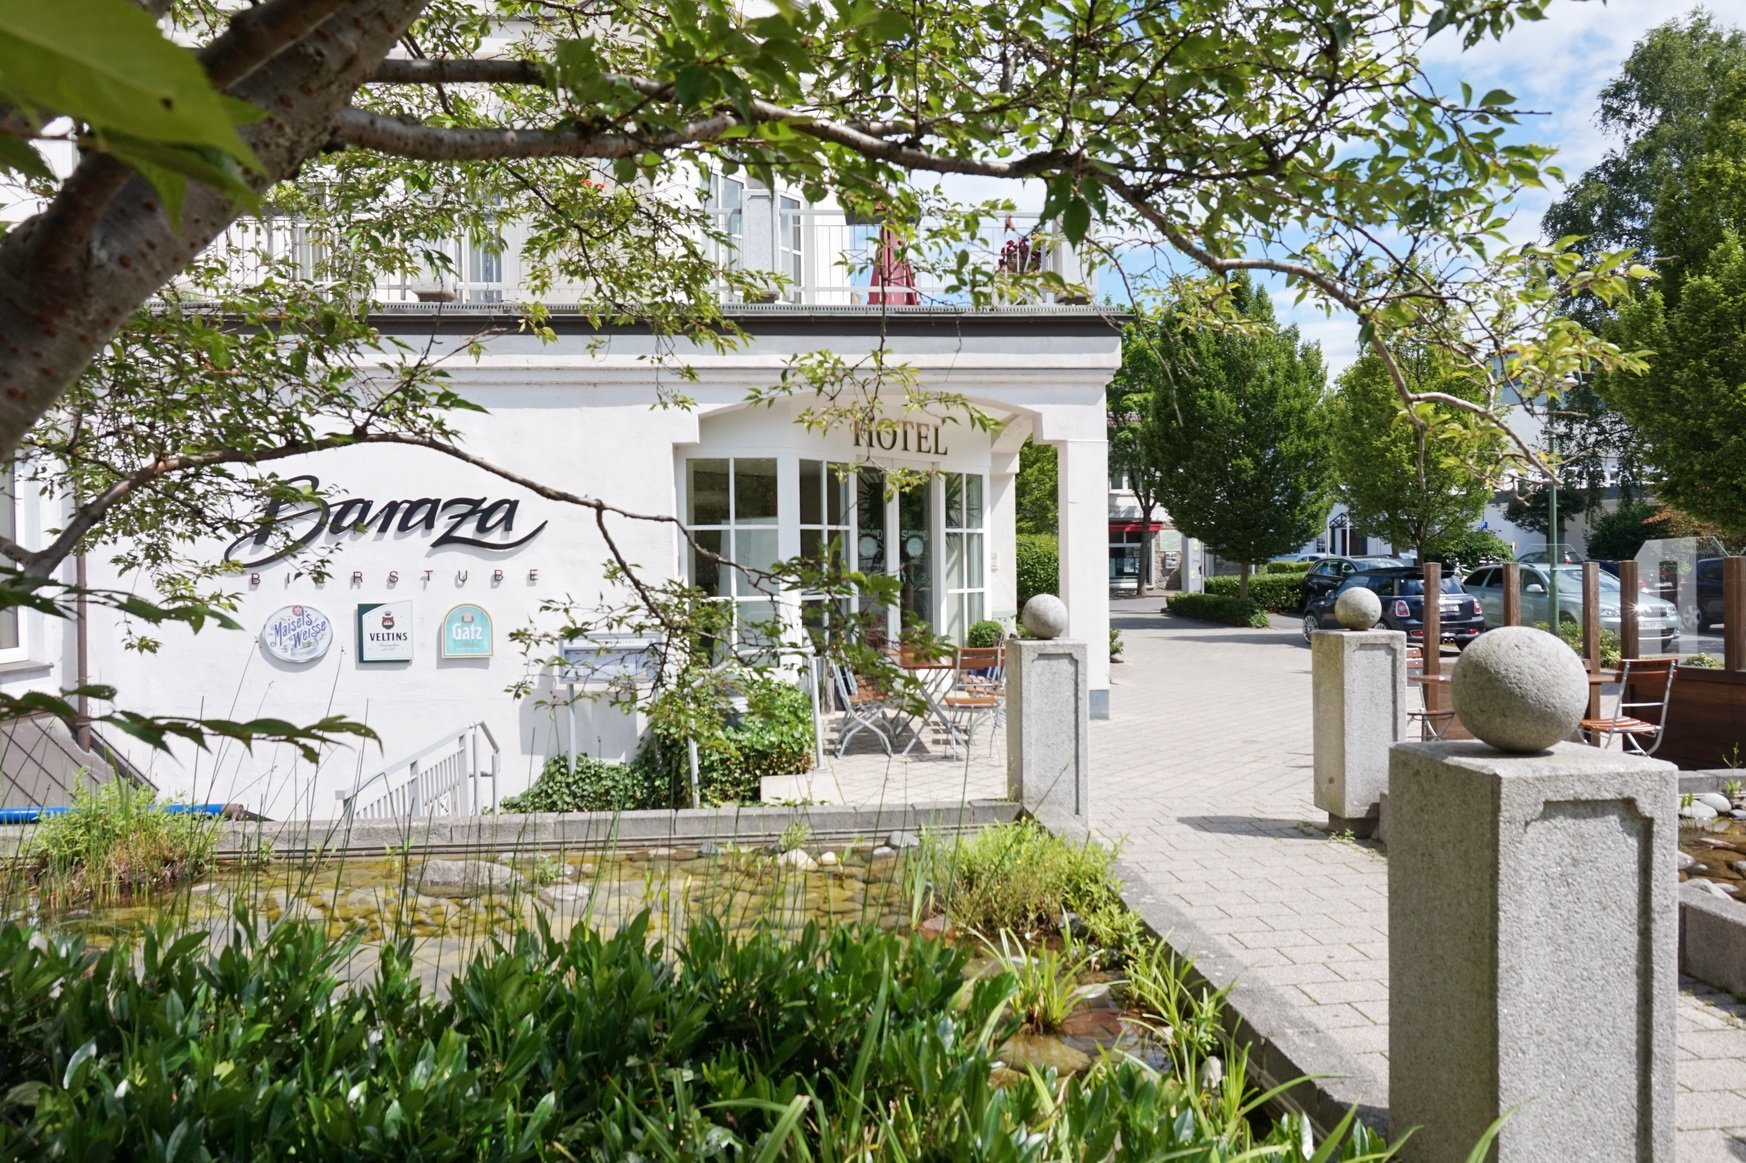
(461, 878)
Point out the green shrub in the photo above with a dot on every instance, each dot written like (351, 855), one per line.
(1298, 567)
(1022, 878)
(1037, 565)
(838, 1044)
(595, 786)
(1473, 547)
(1703, 662)
(773, 736)
(1612, 646)
(984, 634)
(1280, 592)
(1115, 642)
(1228, 611)
(117, 840)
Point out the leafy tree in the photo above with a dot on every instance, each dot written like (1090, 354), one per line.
(1038, 503)
(1242, 433)
(1618, 535)
(1413, 485)
(1207, 124)
(1133, 429)
(1531, 508)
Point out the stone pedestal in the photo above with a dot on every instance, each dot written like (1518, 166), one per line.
(1359, 700)
(1048, 738)
(1532, 952)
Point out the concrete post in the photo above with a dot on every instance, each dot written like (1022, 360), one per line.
(1358, 696)
(1532, 952)
(1048, 737)
(1082, 473)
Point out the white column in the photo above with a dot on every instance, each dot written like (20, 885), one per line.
(1083, 492)
(1000, 522)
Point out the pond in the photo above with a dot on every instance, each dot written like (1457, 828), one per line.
(1717, 852)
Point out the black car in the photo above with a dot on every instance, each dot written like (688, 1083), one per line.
(1402, 591)
(1709, 593)
(1330, 573)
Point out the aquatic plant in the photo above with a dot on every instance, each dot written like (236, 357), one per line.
(1045, 980)
(115, 841)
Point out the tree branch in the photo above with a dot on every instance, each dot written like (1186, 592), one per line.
(460, 72)
(257, 35)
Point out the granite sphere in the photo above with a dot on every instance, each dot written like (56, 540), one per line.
(1045, 616)
(1358, 609)
(1519, 689)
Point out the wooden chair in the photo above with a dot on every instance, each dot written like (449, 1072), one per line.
(1431, 724)
(1641, 718)
(978, 689)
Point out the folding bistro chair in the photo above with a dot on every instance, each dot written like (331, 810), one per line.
(978, 690)
(1431, 724)
(1641, 720)
(864, 708)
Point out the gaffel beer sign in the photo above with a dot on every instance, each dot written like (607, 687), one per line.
(476, 522)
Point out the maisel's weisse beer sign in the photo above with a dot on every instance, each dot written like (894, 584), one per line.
(290, 524)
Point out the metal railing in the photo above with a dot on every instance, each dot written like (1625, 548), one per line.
(441, 780)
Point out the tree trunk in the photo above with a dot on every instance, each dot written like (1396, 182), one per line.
(73, 273)
(1243, 569)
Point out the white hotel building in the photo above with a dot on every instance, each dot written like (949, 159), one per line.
(438, 562)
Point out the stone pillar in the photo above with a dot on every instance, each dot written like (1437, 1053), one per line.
(1082, 476)
(1359, 706)
(1532, 951)
(1048, 736)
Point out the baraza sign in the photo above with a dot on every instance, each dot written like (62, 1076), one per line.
(476, 522)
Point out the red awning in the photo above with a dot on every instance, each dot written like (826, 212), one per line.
(1135, 526)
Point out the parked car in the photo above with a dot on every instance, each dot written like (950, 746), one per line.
(1402, 590)
(1656, 619)
(1709, 593)
(1327, 575)
(1542, 555)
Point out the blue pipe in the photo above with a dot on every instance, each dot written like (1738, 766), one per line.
(36, 815)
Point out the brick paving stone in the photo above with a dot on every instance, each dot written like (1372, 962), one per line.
(1204, 770)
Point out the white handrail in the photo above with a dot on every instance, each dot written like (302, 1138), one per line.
(442, 777)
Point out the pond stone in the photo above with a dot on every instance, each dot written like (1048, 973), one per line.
(1684, 860)
(558, 896)
(902, 840)
(709, 848)
(1715, 800)
(1045, 1053)
(1045, 616)
(456, 878)
(1697, 811)
(1519, 689)
(1711, 887)
(1358, 608)
(883, 852)
(827, 859)
(797, 858)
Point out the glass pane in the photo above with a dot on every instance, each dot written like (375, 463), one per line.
(707, 491)
(973, 607)
(870, 519)
(954, 500)
(755, 492)
(954, 627)
(836, 486)
(915, 555)
(811, 492)
(973, 561)
(759, 624)
(954, 561)
(707, 574)
(973, 501)
(755, 549)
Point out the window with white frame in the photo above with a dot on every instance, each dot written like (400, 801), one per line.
(482, 271)
(9, 636)
(966, 583)
(724, 201)
(733, 513)
(826, 527)
(789, 237)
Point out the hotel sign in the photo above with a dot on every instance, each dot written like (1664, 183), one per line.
(902, 436)
(385, 632)
(474, 522)
(467, 632)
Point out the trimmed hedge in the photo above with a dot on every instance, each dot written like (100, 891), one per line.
(1038, 566)
(1226, 610)
(1298, 567)
(1280, 592)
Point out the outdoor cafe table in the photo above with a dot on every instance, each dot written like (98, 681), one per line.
(1437, 697)
(935, 677)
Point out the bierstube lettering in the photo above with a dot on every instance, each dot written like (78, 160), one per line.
(475, 522)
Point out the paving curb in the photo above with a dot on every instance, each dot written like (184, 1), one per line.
(1283, 1047)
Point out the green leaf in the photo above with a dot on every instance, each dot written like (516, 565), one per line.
(104, 62)
(1498, 97)
(22, 158)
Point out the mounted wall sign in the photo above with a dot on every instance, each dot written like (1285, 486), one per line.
(297, 634)
(472, 521)
(467, 632)
(385, 632)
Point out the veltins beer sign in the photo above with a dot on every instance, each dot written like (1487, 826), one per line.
(385, 632)
(297, 634)
(467, 632)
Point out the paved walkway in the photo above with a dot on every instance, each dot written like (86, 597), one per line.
(1203, 774)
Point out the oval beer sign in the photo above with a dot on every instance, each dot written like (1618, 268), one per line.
(297, 634)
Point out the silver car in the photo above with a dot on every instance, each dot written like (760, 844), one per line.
(1656, 619)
